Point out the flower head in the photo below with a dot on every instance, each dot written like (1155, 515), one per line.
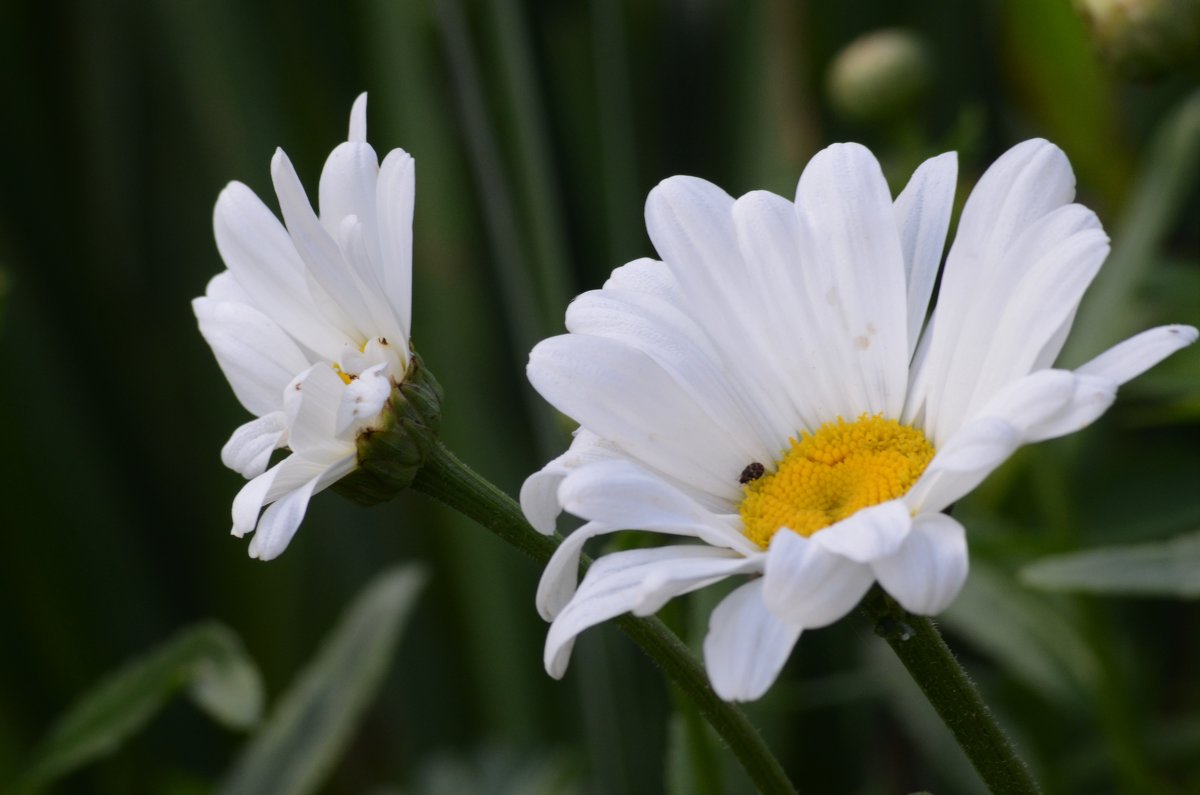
(777, 392)
(310, 324)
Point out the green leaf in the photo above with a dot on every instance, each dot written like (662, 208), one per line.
(1166, 568)
(315, 720)
(208, 659)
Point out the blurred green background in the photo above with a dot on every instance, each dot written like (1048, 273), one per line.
(538, 129)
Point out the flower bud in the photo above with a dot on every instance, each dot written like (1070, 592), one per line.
(879, 76)
(392, 452)
(1144, 39)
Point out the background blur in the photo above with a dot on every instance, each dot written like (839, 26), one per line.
(538, 129)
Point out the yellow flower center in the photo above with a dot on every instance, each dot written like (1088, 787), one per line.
(829, 475)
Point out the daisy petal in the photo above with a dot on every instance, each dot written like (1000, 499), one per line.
(928, 570)
(746, 645)
(395, 193)
(853, 258)
(806, 371)
(256, 356)
(358, 119)
(561, 575)
(807, 586)
(288, 475)
(868, 534)
(347, 185)
(620, 393)
(1010, 203)
(259, 252)
(1090, 398)
(962, 463)
(620, 494)
(1136, 355)
(679, 346)
(224, 287)
(280, 521)
(639, 581)
(539, 492)
(249, 450)
(320, 254)
(923, 215)
(312, 403)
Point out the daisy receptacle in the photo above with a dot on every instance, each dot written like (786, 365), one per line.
(310, 323)
(779, 392)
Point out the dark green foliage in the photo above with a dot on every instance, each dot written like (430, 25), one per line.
(538, 129)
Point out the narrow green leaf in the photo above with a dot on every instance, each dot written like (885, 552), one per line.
(208, 659)
(315, 720)
(1166, 568)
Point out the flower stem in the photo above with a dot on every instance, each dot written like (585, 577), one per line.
(447, 479)
(932, 665)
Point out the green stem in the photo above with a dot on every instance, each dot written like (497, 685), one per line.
(448, 480)
(932, 665)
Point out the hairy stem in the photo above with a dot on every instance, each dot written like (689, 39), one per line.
(448, 480)
(933, 666)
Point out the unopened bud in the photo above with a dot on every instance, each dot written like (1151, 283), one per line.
(879, 76)
(1144, 39)
(391, 454)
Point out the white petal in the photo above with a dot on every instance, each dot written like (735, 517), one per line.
(1046, 298)
(677, 344)
(853, 259)
(358, 119)
(923, 215)
(288, 475)
(255, 355)
(927, 572)
(224, 287)
(618, 493)
(1129, 359)
(561, 574)
(363, 400)
(962, 463)
(692, 226)
(808, 586)
(1051, 403)
(261, 255)
(639, 581)
(280, 521)
(1027, 184)
(320, 254)
(347, 185)
(645, 275)
(746, 645)
(868, 534)
(539, 492)
(394, 199)
(620, 394)
(360, 249)
(249, 450)
(805, 369)
(312, 403)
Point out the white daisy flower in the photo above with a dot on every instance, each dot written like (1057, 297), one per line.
(773, 389)
(310, 324)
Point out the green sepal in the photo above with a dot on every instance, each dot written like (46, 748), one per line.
(390, 456)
